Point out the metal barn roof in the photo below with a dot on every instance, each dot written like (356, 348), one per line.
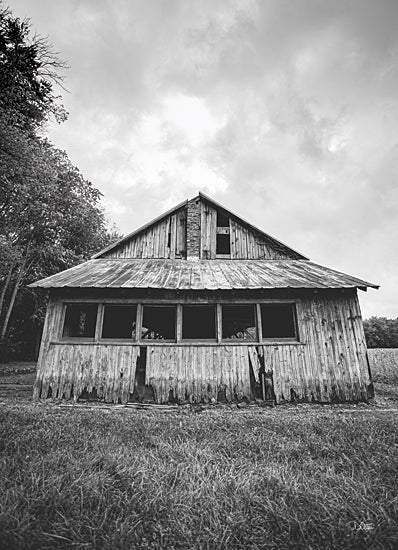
(200, 275)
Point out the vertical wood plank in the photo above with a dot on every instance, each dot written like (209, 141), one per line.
(173, 237)
(219, 322)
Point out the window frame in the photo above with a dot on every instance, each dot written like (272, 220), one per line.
(280, 339)
(216, 323)
(223, 229)
(77, 339)
(240, 340)
(100, 322)
(141, 318)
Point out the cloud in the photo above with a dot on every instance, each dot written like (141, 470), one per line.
(287, 112)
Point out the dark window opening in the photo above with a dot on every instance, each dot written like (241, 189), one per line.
(238, 322)
(169, 239)
(199, 322)
(80, 321)
(222, 220)
(278, 321)
(159, 323)
(223, 244)
(119, 321)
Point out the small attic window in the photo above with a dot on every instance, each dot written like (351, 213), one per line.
(223, 244)
(222, 220)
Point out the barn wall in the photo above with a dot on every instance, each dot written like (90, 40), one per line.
(165, 239)
(328, 364)
(199, 373)
(332, 363)
(72, 369)
(208, 224)
(246, 244)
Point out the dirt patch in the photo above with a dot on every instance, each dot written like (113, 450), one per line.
(386, 394)
(16, 381)
(17, 367)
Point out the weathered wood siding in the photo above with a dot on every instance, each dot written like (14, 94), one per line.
(329, 363)
(208, 226)
(165, 239)
(168, 238)
(246, 244)
(72, 369)
(336, 365)
(199, 373)
(65, 370)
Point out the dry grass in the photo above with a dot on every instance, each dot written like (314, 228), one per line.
(384, 365)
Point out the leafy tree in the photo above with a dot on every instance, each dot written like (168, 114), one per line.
(50, 216)
(28, 70)
(381, 332)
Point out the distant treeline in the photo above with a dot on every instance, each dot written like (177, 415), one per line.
(381, 332)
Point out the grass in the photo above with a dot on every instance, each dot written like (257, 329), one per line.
(310, 477)
(384, 365)
(221, 479)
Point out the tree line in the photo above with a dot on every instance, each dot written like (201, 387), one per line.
(50, 216)
(381, 332)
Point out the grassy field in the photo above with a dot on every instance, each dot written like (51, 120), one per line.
(306, 476)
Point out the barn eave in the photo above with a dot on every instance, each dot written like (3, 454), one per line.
(202, 275)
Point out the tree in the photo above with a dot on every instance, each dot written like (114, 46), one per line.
(28, 69)
(381, 332)
(50, 216)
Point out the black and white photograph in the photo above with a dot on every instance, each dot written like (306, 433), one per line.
(198, 274)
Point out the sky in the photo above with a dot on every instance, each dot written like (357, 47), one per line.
(284, 111)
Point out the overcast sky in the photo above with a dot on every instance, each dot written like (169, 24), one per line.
(284, 111)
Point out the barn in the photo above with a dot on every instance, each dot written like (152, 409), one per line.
(200, 306)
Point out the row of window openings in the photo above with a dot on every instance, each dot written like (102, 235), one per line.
(199, 322)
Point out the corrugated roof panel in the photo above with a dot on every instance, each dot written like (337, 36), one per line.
(200, 275)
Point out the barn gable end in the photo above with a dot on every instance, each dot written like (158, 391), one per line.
(199, 228)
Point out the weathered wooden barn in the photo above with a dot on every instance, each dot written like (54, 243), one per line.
(201, 306)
